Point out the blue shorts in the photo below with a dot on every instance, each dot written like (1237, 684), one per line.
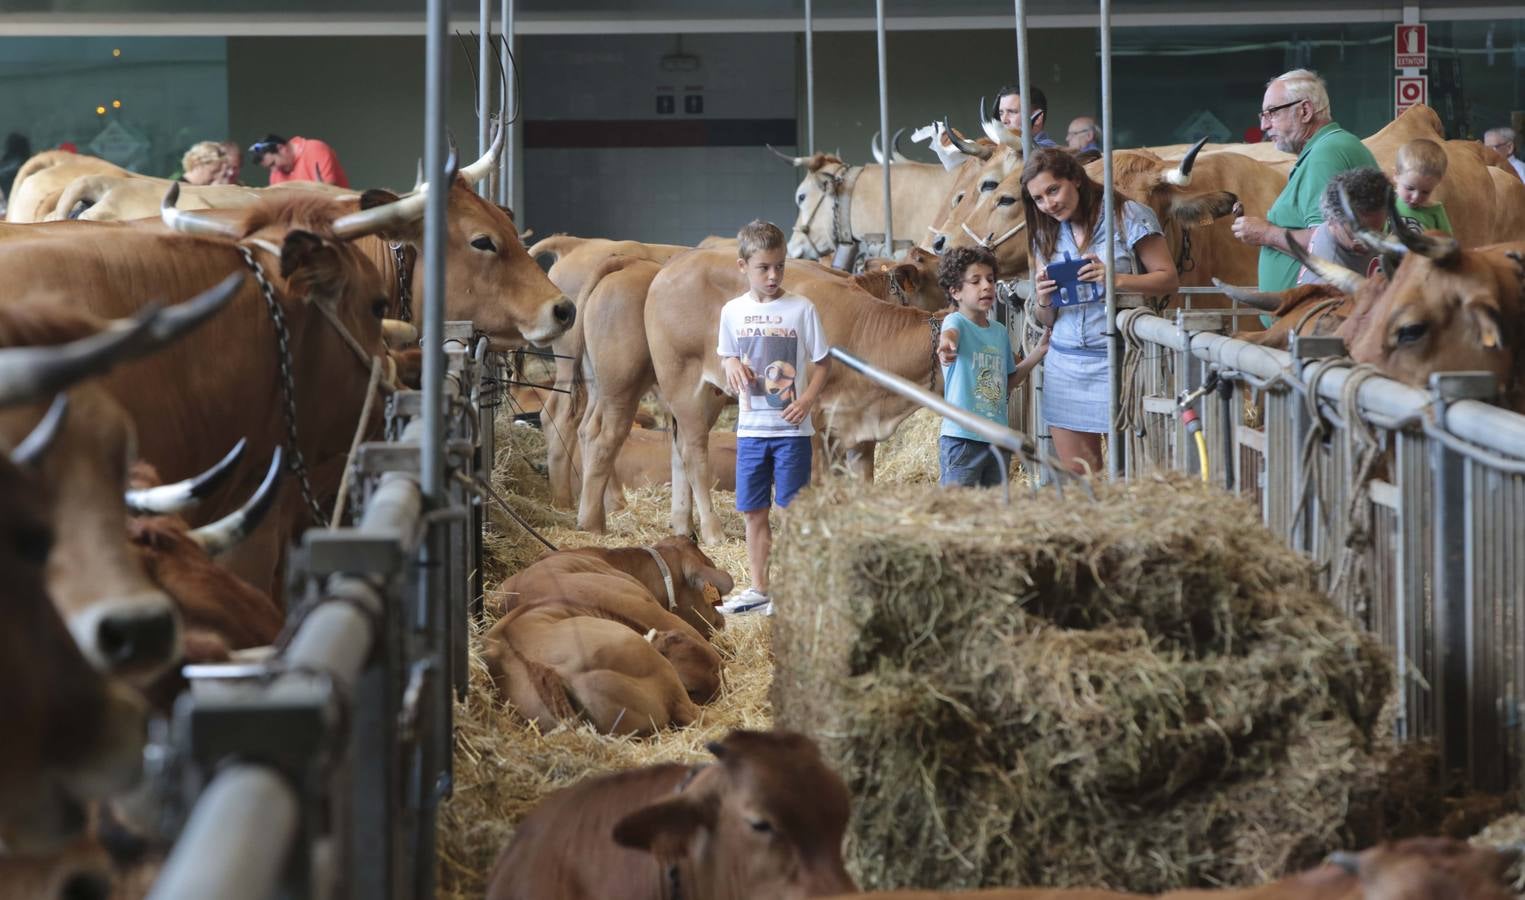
(966, 463)
(770, 466)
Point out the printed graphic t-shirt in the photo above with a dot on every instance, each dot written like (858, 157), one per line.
(1426, 218)
(977, 379)
(778, 340)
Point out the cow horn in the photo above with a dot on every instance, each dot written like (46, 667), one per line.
(418, 179)
(41, 437)
(873, 149)
(29, 373)
(1180, 176)
(398, 212)
(190, 223)
(398, 333)
(651, 635)
(1256, 299)
(225, 533)
(168, 499)
(968, 148)
(478, 170)
(1331, 272)
(791, 160)
(1380, 242)
(183, 318)
(895, 154)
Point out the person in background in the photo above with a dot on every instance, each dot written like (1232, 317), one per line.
(1501, 141)
(1083, 136)
(1064, 215)
(204, 163)
(1335, 238)
(1008, 107)
(234, 155)
(1295, 114)
(298, 159)
(979, 369)
(1420, 166)
(17, 151)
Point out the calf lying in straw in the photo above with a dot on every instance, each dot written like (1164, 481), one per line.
(765, 820)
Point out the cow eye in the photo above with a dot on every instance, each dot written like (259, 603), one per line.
(1410, 333)
(1006, 200)
(483, 242)
(799, 199)
(34, 545)
(379, 307)
(988, 186)
(761, 826)
(958, 198)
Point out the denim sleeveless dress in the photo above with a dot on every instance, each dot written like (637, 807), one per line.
(1076, 386)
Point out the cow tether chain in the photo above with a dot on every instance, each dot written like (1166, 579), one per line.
(403, 269)
(1184, 261)
(294, 460)
(935, 324)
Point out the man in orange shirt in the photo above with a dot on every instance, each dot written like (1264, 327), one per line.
(298, 159)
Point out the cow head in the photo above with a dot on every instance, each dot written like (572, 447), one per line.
(491, 278)
(1446, 310)
(817, 197)
(693, 571)
(912, 282)
(695, 661)
(121, 622)
(978, 180)
(766, 820)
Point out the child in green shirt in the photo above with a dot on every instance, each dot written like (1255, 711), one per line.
(1421, 166)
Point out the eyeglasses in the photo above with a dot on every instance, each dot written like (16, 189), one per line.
(258, 149)
(1497, 148)
(1079, 132)
(1267, 113)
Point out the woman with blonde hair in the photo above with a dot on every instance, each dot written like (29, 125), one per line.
(205, 163)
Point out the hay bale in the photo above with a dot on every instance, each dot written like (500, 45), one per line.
(1142, 691)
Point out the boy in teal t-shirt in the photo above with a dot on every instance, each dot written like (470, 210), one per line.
(1421, 165)
(979, 367)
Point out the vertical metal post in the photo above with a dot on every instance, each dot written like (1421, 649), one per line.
(1115, 459)
(809, 77)
(1022, 83)
(484, 87)
(507, 195)
(1456, 628)
(884, 127)
(436, 77)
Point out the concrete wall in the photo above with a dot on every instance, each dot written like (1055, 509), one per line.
(933, 74)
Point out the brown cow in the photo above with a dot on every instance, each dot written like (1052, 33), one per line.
(42, 179)
(691, 587)
(766, 820)
(557, 662)
(682, 318)
(578, 264)
(1413, 869)
(616, 596)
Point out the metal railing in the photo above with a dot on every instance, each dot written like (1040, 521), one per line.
(1410, 502)
(317, 772)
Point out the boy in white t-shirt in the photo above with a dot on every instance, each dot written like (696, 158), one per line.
(773, 350)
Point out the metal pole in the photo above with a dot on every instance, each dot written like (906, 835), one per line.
(506, 193)
(1114, 334)
(436, 77)
(484, 87)
(1022, 83)
(214, 857)
(884, 127)
(809, 77)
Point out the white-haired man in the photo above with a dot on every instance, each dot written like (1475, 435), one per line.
(1295, 114)
(1501, 141)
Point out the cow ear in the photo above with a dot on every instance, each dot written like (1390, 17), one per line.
(1201, 209)
(1485, 320)
(908, 275)
(308, 260)
(665, 830)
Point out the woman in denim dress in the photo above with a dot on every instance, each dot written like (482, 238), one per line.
(1064, 215)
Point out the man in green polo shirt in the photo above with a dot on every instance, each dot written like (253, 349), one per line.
(1295, 114)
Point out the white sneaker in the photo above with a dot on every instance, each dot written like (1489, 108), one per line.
(767, 609)
(749, 600)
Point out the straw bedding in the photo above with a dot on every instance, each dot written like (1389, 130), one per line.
(1140, 691)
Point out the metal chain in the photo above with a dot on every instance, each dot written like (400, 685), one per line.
(294, 460)
(936, 326)
(1184, 262)
(404, 273)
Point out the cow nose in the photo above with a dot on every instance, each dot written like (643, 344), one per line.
(564, 313)
(86, 886)
(937, 245)
(141, 636)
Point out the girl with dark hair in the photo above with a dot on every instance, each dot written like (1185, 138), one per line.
(1064, 220)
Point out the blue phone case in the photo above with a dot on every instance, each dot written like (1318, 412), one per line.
(1066, 274)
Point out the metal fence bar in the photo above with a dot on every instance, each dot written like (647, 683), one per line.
(484, 87)
(884, 127)
(436, 83)
(809, 77)
(237, 840)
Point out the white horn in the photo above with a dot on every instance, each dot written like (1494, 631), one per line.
(189, 223)
(225, 533)
(479, 169)
(168, 499)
